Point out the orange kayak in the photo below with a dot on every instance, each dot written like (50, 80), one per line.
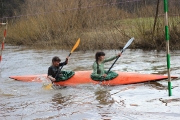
(83, 77)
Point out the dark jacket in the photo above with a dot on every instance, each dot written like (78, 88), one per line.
(53, 70)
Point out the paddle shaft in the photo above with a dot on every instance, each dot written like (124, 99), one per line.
(74, 47)
(114, 62)
(127, 44)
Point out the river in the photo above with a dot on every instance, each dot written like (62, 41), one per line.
(142, 101)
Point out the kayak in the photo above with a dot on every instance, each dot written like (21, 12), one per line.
(83, 77)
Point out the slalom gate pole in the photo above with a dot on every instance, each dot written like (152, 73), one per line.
(167, 46)
(2, 45)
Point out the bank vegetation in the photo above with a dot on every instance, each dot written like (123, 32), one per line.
(101, 24)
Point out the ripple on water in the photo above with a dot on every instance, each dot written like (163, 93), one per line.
(142, 101)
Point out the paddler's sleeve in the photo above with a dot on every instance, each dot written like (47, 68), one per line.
(50, 72)
(95, 70)
(63, 63)
(110, 59)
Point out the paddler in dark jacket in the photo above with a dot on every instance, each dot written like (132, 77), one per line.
(98, 66)
(53, 69)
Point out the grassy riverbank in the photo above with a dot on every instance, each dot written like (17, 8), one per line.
(99, 27)
(110, 36)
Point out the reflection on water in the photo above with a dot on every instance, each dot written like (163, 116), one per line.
(156, 85)
(104, 97)
(29, 101)
(166, 101)
(59, 99)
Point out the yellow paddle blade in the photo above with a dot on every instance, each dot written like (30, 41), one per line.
(48, 86)
(76, 45)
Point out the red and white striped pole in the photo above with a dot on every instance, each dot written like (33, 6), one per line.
(2, 46)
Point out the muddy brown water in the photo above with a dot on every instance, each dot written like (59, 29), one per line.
(142, 101)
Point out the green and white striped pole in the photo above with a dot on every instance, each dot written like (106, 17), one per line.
(167, 45)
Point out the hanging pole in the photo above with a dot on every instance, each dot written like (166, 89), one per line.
(2, 23)
(2, 45)
(167, 46)
(155, 21)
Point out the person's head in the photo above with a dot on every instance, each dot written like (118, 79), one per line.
(99, 56)
(56, 60)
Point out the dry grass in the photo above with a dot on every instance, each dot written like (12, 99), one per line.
(99, 27)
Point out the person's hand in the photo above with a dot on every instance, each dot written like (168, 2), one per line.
(51, 78)
(67, 59)
(104, 75)
(119, 54)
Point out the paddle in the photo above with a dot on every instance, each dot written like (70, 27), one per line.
(74, 47)
(127, 45)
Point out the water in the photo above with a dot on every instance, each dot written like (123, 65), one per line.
(142, 101)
